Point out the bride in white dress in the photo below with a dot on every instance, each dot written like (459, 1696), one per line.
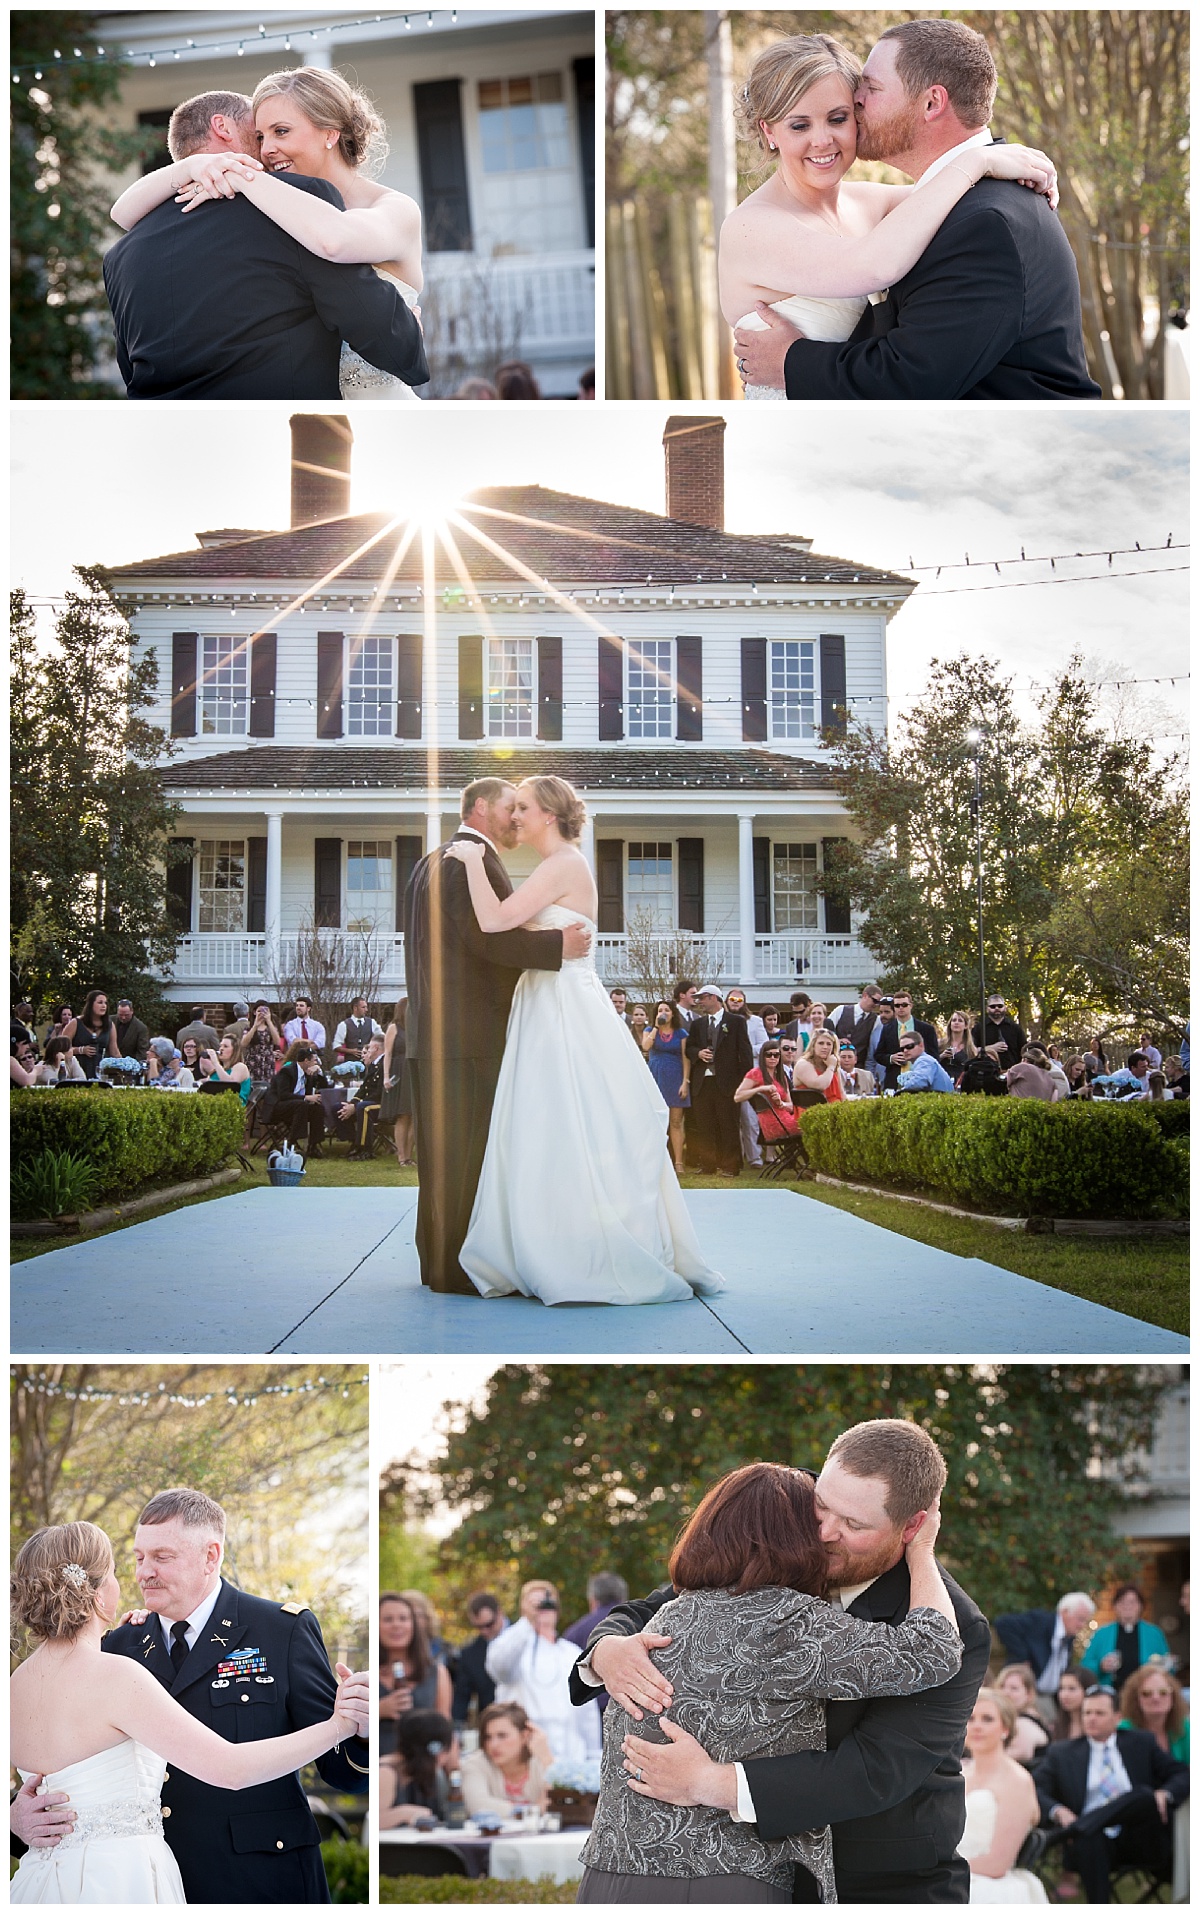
(809, 242)
(1002, 1807)
(310, 121)
(102, 1729)
(578, 1201)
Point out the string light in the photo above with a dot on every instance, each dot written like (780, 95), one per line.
(283, 36)
(41, 1385)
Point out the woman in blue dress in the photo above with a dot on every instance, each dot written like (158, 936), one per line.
(670, 1068)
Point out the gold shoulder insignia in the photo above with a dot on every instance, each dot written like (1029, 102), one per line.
(293, 1608)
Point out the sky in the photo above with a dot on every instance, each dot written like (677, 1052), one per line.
(887, 486)
(405, 1403)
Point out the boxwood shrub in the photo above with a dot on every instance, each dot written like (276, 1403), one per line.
(1008, 1155)
(131, 1138)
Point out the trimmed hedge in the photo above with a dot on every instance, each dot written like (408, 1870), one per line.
(130, 1137)
(347, 1868)
(1173, 1119)
(1006, 1154)
(422, 1890)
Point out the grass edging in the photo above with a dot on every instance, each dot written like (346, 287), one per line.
(88, 1220)
(1032, 1225)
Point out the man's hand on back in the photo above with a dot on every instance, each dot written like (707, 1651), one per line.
(680, 1773)
(623, 1664)
(40, 1820)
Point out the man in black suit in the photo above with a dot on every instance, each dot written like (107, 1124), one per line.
(887, 1051)
(293, 1096)
(991, 310)
(718, 1043)
(471, 1679)
(1002, 1036)
(855, 1022)
(460, 987)
(249, 1670)
(890, 1781)
(219, 302)
(1109, 1795)
(1046, 1637)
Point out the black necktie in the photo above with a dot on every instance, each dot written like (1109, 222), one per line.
(179, 1647)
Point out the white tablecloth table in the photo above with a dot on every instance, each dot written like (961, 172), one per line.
(505, 1857)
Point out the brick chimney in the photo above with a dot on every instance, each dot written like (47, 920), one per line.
(694, 449)
(321, 445)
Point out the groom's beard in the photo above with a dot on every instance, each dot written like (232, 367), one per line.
(882, 139)
(847, 1571)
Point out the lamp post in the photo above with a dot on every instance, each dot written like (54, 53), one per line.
(975, 738)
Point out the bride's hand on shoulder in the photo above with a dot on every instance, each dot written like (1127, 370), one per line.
(467, 851)
(216, 176)
(135, 1617)
(1025, 164)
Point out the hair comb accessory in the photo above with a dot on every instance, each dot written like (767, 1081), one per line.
(74, 1573)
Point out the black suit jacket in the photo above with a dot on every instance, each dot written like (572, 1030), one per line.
(1005, 1030)
(460, 979)
(859, 1034)
(990, 311)
(471, 1678)
(1060, 1776)
(889, 1048)
(260, 1843)
(890, 1780)
(733, 1053)
(280, 1093)
(222, 303)
(1028, 1635)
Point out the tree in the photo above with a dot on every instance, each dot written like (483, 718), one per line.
(565, 1471)
(93, 1442)
(63, 161)
(92, 826)
(1057, 797)
(330, 968)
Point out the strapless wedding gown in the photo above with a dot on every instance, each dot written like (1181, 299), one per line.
(1016, 1887)
(578, 1201)
(115, 1853)
(827, 320)
(360, 381)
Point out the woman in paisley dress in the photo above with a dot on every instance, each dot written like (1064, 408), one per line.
(811, 243)
(102, 1729)
(756, 1652)
(312, 122)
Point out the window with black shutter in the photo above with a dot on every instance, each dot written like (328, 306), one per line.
(761, 860)
(610, 883)
(690, 852)
(549, 688)
(330, 645)
(689, 690)
(262, 685)
(470, 687)
(837, 905)
(754, 690)
(179, 885)
(441, 156)
(409, 851)
(256, 884)
(183, 683)
(611, 664)
(833, 683)
(584, 70)
(327, 887)
(408, 685)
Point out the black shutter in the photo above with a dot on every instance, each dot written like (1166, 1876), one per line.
(262, 685)
(585, 112)
(437, 108)
(409, 851)
(327, 889)
(691, 883)
(549, 688)
(761, 859)
(408, 685)
(754, 690)
(256, 883)
(689, 690)
(179, 888)
(470, 687)
(833, 684)
(329, 684)
(612, 688)
(183, 684)
(610, 883)
(837, 906)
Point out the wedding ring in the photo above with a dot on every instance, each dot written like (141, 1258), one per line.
(637, 1774)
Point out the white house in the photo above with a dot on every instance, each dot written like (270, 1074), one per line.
(490, 117)
(331, 688)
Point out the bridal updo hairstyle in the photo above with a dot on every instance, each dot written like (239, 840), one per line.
(782, 74)
(56, 1578)
(562, 801)
(334, 106)
(757, 1528)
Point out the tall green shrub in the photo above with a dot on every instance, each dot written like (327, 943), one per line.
(129, 1137)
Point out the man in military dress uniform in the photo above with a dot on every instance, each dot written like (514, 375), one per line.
(248, 1669)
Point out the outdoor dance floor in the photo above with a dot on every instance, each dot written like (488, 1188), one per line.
(334, 1272)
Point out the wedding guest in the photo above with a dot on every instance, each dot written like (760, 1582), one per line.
(1030, 1735)
(918, 1071)
(530, 1663)
(508, 1769)
(1002, 1806)
(905, 1024)
(293, 1097)
(618, 997)
(797, 1026)
(1075, 1073)
(189, 1051)
(59, 1065)
(354, 1033)
(1110, 1798)
(665, 1046)
(1150, 1049)
(1158, 1085)
(303, 1027)
(414, 1779)
(959, 1046)
(789, 1050)
(21, 1025)
(1047, 1638)
(767, 1086)
(22, 1064)
(358, 1116)
(199, 1028)
(410, 1676)
(515, 380)
(262, 1047)
(1095, 1060)
(817, 1069)
(1152, 1700)
(1068, 1706)
(475, 389)
(639, 1021)
(586, 389)
(93, 1034)
(472, 1683)
(224, 1065)
(770, 1020)
(240, 1022)
(718, 1047)
(133, 1038)
(684, 999)
(165, 1067)
(854, 1082)
(1030, 1078)
(1121, 1647)
(396, 1104)
(885, 1018)
(735, 1002)
(427, 1615)
(855, 1022)
(1002, 1037)
(604, 1590)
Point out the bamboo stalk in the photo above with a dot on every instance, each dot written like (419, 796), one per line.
(642, 380)
(704, 277)
(618, 367)
(655, 312)
(691, 384)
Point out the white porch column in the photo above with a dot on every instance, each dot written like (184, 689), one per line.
(274, 878)
(433, 829)
(587, 840)
(746, 895)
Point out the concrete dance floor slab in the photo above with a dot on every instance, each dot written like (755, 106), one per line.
(334, 1272)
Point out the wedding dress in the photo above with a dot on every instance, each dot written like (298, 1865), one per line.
(357, 379)
(1018, 1885)
(115, 1853)
(578, 1201)
(828, 320)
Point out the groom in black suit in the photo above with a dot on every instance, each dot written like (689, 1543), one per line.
(890, 1780)
(991, 310)
(460, 985)
(221, 303)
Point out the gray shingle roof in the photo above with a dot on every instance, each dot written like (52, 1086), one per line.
(405, 769)
(568, 539)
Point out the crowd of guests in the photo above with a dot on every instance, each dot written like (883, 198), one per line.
(517, 380)
(290, 1076)
(483, 1725)
(736, 1081)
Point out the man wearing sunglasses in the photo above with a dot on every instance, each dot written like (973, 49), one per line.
(907, 1024)
(1003, 1037)
(918, 1070)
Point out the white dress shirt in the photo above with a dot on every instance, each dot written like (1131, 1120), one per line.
(1095, 1797)
(196, 1621)
(1056, 1661)
(982, 138)
(292, 1032)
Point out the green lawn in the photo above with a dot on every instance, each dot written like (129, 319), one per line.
(1147, 1279)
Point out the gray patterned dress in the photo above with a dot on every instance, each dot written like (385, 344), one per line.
(751, 1674)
